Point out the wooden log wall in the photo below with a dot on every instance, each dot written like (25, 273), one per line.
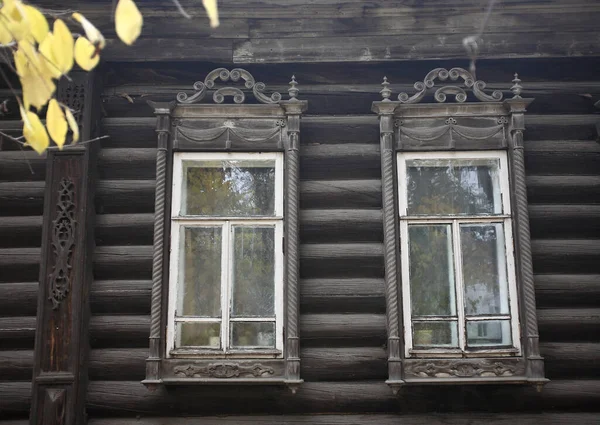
(342, 321)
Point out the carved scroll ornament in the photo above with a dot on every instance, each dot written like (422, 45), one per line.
(219, 95)
(440, 95)
(63, 242)
(223, 370)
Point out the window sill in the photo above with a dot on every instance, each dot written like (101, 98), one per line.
(234, 354)
(424, 353)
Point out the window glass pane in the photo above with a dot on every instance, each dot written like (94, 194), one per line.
(484, 268)
(253, 281)
(453, 186)
(252, 334)
(199, 292)
(197, 334)
(431, 270)
(228, 188)
(489, 332)
(435, 334)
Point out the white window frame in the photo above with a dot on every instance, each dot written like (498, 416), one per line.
(178, 221)
(505, 217)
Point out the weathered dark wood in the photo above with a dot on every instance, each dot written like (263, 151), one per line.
(61, 340)
(557, 324)
(19, 264)
(563, 361)
(131, 397)
(566, 256)
(23, 165)
(381, 419)
(564, 221)
(18, 299)
(120, 296)
(21, 198)
(340, 194)
(342, 295)
(124, 229)
(333, 225)
(19, 232)
(567, 290)
(331, 161)
(410, 47)
(577, 189)
(341, 260)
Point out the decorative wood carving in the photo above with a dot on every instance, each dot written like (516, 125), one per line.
(223, 370)
(219, 95)
(63, 242)
(490, 124)
(188, 125)
(440, 95)
(464, 369)
(61, 344)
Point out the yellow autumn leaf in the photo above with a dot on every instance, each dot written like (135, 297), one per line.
(62, 47)
(35, 133)
(72, 125)
(128, 21)
(14, 18)
(37, 23)
(56, 123)
(5, 35)
(91, 32)
(85, 54)
(37, 90)
(212, 11)
(47, 52)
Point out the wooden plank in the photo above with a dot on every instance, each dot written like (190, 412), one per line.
(341, 260)
(555, 418)
(562, 157)
(571, 360)
(349, 295)
(563, 189)
(18, 299)
(336, 160)
(124, 229)
(412, 47)
(340, 194)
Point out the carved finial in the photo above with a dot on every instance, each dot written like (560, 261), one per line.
(516, 88)
(385, 91)
(293, 90)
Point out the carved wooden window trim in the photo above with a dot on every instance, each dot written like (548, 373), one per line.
(268, 125)
(490, 125)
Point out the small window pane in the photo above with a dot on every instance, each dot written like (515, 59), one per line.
(199, 293)
(431, 270)
(234, 188)
(198, 335)
(435, 334)
(252, 334)
(484, 269)
(489, 332)
(453, 186)
(253, 272)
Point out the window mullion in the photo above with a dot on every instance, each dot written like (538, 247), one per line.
(225, 284)
(458, 284)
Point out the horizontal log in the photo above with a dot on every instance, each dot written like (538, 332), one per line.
(342, 97)
(562, 361)
(569, 324)
(112, 398)
(340, 194)
(381, 419)
(124, 229)
(569, 256)
(169, 49)
(19, 232)
(411, 47)
(564, 221)
(562, 157)
(575, 290)
(22, 165)
(362, 129)
(563, 189)
(18, 299)
(19, 264)
(120, 296)
(340, 161)
(341, 225)
(21, 198)
(342, 295)
(341, 260)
